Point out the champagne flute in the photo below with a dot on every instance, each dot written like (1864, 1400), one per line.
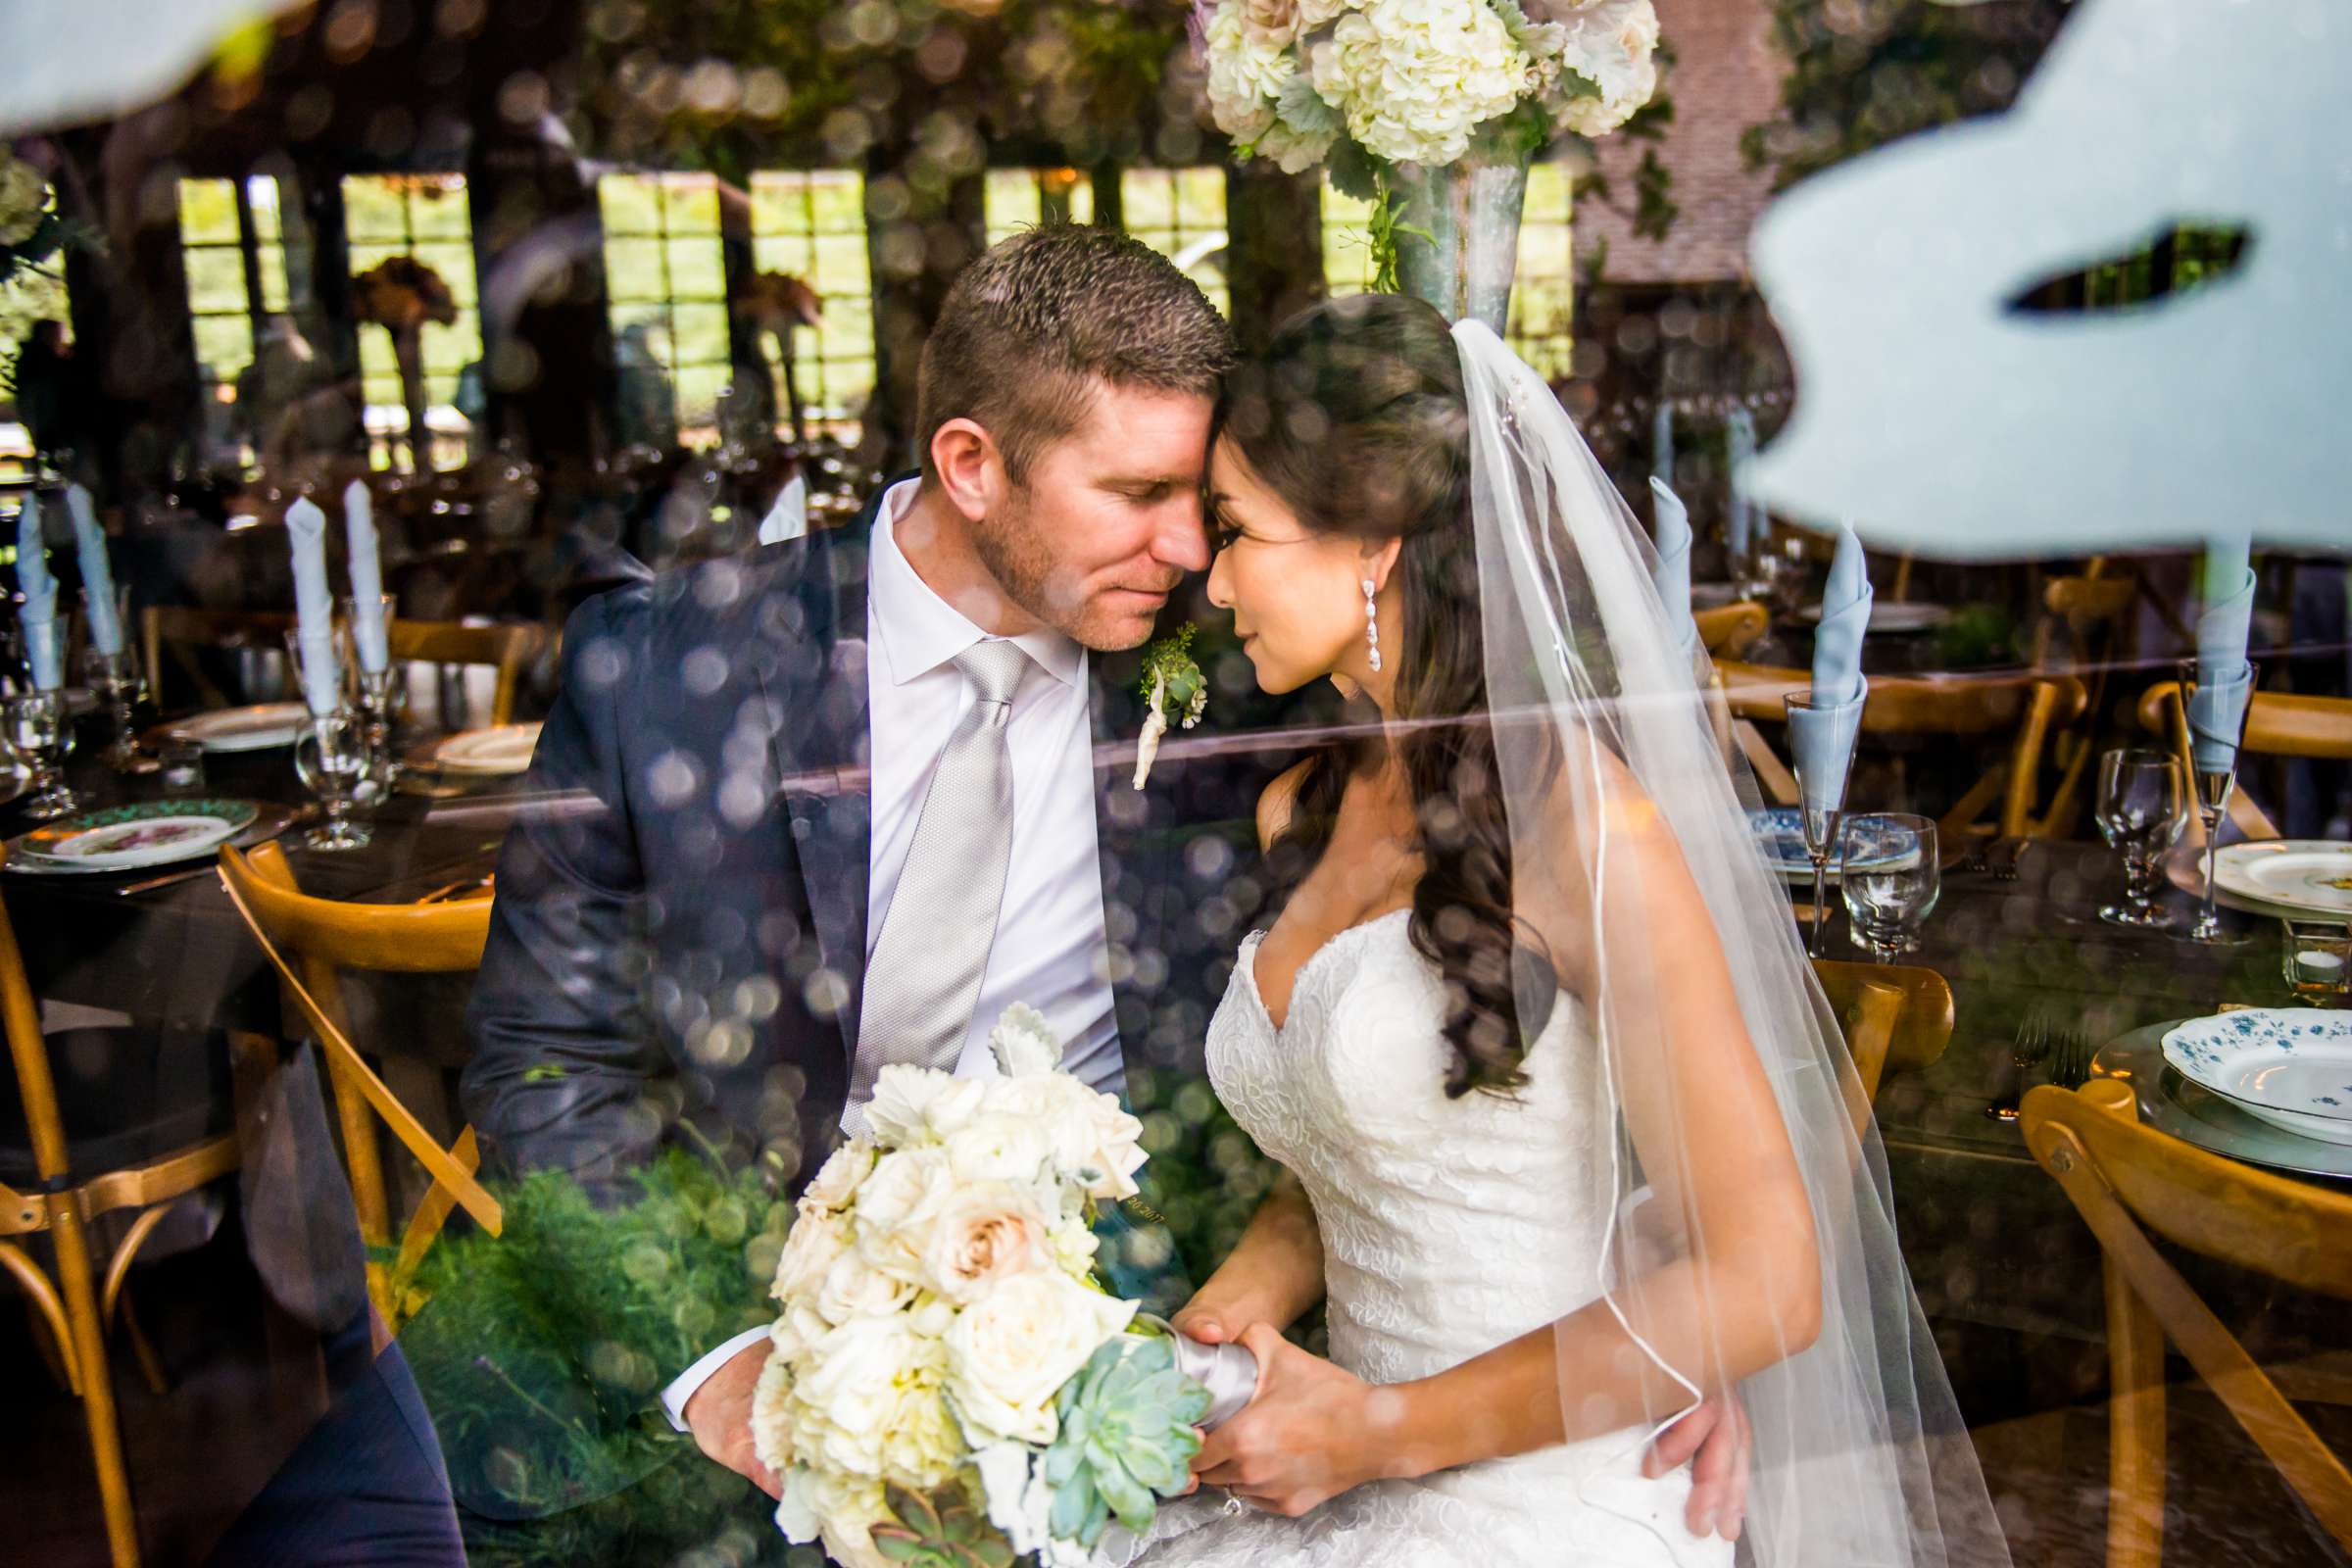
(1821, 740)
(1890, 879)
(2214, 787)
(2142, 805)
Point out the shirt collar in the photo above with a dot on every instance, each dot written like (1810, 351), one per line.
(918, 630)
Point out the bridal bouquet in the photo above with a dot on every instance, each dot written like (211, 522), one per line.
(949, 1386)
(1409, 81)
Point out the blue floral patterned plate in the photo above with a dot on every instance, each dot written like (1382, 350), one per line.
(1780, 834)
(2288, 1066)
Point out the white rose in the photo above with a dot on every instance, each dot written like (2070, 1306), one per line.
(839, 1511)
(809, 1248)
(1010, 1351)
(981, 1237)
(1073, 1245)
(854, 1288)
(837, 1180)
(772, 1415)
(1244, 75)
(1023, 1043)
(1614, 44)
(998, 1147)
(902, 1094)
(1017, 1503)
(948, 1110)
(1094, 1144)
(893, 1209)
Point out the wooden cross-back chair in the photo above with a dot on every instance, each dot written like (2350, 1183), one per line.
(2277, 724)
(179, 632)
(322, 937)
(2094, 608)
(89, 1162)
(1729, 631)
(504, 648)
(2132, 1183)
(2024, 708)
(1896, 1018)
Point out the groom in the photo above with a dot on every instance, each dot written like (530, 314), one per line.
(839, 801)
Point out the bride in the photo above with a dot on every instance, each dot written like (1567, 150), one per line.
(1530, 997)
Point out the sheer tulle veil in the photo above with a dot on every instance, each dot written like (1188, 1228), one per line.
(1860, 1455)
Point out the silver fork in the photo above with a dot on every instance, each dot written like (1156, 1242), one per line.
(2005, 870)
(2028, 1050)
(2070, 1058)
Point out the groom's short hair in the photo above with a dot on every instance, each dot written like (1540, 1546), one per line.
(1027, 329)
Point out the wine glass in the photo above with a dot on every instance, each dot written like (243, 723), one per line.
(333, 760)
(36, 725)
(1890, 880)
(379, 693)
(2214, 786)
(117, 681)
(2142, 807)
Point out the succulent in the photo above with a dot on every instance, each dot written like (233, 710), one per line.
(941, 1529)
(1185, 690)
(1126, 1434)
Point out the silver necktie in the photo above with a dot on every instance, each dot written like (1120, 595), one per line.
(923, 979)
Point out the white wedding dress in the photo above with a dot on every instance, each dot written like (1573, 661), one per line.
(1449, 1227)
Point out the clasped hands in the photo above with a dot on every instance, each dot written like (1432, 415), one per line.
(1315, 1430)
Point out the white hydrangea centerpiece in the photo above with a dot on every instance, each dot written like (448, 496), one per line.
(1368, 85)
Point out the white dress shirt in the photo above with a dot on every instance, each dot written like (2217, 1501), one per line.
(1050, 949)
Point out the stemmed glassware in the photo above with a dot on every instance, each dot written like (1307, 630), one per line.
(1819, 732)
(378, 694)
(1890, 879)
(2143, 804)
(2214, 786)
(118, 682)
(36, 727)
(332, 759)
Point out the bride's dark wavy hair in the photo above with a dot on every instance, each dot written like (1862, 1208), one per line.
(1354, 416)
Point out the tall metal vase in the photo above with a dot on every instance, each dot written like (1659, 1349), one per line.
(1469, 212)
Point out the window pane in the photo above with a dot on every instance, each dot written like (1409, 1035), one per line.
(216, 281)
(698, 395)
(1010, 202)
(633, 270)
(454, 263)
(837, 202)
(701, 334)
(371, 212)
(272, 260)
(841, 264)
(690, 204)
(208, 212)
(437, 207)
(224, 344)
(784, 253)
(631, 204)
(695, 270)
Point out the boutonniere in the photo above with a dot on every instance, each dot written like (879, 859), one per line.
(1174, 692)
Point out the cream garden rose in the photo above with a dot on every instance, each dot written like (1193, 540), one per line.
(837, 1180)
(982, 1237)
(1010, 1351)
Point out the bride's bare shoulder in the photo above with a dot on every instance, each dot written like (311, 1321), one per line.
(1275, 800)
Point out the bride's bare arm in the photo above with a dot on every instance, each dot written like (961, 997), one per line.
(1274, 1273)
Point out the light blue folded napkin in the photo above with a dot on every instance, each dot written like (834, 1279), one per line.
(1672, 574)
(1820, 741)
(2217, 708)
(1661, 444)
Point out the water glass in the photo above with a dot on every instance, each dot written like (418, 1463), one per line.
(1890, 880)
(333, 760)
(118, 684)
(180, 765)
(2143, 804)
(2318, 961)
(36, 727)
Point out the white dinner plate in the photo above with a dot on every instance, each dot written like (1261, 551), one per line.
(2170, 1103)
(2184, 869)
(2288, 1066)
(127, 838)
(2312, 875)
(500, 749)
(1894, 618)
(243, 729)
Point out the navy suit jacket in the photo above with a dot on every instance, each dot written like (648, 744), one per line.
(683, 939)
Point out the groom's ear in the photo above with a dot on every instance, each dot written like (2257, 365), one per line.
(970, 468)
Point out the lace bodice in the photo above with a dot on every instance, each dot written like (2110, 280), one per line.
(1449, 1227)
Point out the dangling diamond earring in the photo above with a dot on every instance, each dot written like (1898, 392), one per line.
(1372, 623)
